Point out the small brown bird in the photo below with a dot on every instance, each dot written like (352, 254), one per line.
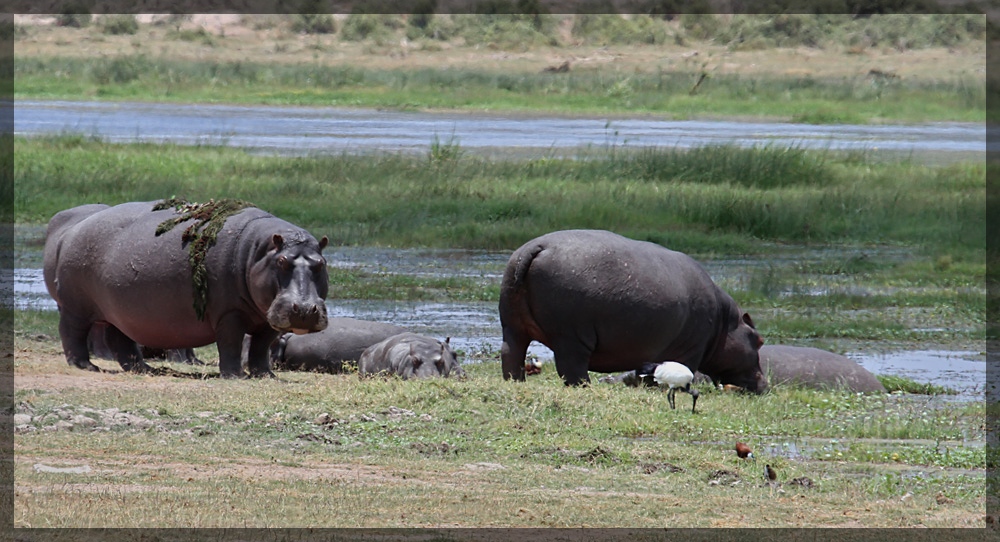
(532, 366)
(771, 475)
(743, 451)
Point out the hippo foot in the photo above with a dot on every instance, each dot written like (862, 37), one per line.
(86, 366)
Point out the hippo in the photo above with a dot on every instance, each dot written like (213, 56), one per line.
(606, 303)
(118, 266)
(410, 356)
(344, 339)
(97, 345)
(815, 368)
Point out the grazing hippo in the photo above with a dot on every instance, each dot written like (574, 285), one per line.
(606, 303)
(410, 356)
(815, 368)
(344, 339)
(98, 346)
(119, 266)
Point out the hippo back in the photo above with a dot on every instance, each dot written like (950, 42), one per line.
(815, 368)
(343, 340)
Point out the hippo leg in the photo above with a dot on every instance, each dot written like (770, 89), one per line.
(512, 353)
(572, 358)
(229, 335)
(74, 341)
(126, 351)
(258, 355)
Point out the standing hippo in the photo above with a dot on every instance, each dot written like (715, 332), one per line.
(344, 339)
(410, 356)
(119, 266)
(606, 303)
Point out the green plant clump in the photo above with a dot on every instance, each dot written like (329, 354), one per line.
(201, 236)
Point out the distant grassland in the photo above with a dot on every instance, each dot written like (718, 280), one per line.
(673, 93)
(717, 199)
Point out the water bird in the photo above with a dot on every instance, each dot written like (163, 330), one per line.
(677, 377)
(744, 451)
(532, 366)
(771, 475)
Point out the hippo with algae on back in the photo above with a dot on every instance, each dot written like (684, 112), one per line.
(120, 266)
(606, 303)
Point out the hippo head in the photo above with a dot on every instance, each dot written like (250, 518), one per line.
(430, 359)
(290, 283)
(736, 361)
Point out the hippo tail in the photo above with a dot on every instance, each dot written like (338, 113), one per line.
(513, 289)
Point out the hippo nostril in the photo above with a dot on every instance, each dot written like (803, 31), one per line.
(295, 307)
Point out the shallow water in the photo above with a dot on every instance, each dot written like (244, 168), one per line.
(324, 130)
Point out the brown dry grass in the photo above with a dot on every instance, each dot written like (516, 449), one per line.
(236, 39)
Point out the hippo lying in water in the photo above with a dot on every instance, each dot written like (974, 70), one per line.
(606, 303)
(409, 355)
(111, 265)
(344, 339)
(815, 368)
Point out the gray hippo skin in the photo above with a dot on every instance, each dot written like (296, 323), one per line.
(105, 265)
(606, 303)
(815, 368)
(409, 355)
(344, 339)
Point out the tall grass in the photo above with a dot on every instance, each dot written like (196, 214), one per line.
(665, 91)
(711, 199)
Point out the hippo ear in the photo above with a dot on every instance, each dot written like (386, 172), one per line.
(748, 321)
(447, 340)
(417, 362)
(323, 242)
(277, 240)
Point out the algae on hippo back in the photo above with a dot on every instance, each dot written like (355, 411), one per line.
(201, 235)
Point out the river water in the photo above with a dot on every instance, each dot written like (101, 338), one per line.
(311, 130)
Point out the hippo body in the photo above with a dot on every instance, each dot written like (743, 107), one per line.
(343, 340)
(106, 265)
(815, 368)
(409, 355)
(606, 303)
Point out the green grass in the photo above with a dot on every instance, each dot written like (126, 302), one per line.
(711, 200)
(823, 100)
(907, 385)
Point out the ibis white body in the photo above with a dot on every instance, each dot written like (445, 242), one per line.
(677, 377)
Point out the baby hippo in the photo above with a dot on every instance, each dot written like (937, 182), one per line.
(409, 355)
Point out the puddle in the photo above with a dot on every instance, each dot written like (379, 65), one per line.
(962, 371)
